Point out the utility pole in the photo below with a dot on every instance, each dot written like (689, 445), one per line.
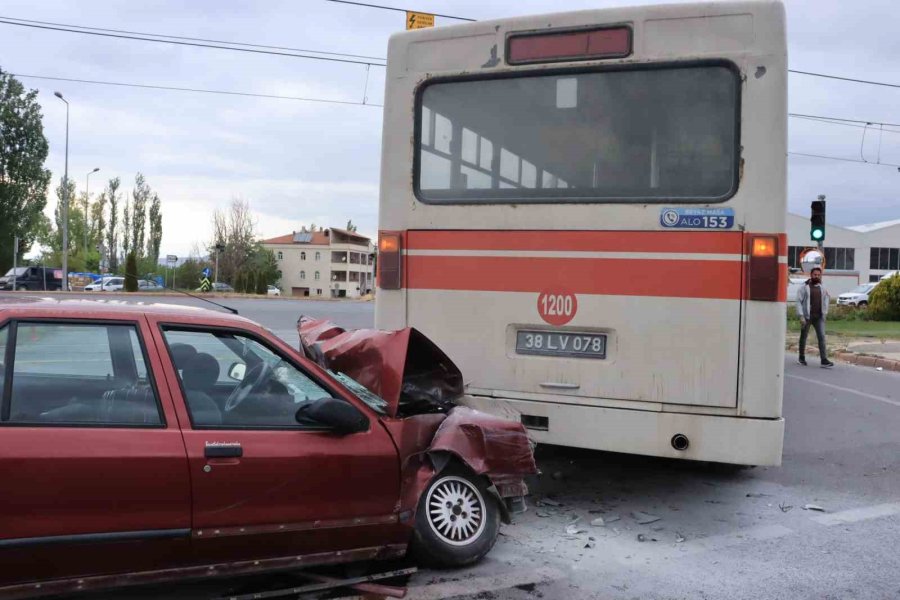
(65, 210)
(15, 256)
(219, 248)
(87, 199)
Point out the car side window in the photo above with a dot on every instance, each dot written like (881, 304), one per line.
(233, 381)
(104, 383)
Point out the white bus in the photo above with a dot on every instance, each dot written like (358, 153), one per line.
(586, 211)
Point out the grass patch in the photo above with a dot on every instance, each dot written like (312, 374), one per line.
(876, 329)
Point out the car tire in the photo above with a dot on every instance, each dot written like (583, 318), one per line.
(862, 304)
(449, 532)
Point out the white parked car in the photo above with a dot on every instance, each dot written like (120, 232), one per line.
(273, 291)
(106, 284)
(858, 296)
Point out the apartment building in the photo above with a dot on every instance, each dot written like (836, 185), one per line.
(330, 263)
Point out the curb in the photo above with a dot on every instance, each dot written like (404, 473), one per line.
(862, 360)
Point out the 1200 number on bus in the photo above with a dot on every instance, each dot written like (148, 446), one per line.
(558, 343)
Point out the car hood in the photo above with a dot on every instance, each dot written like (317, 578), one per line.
(403, 367)
(850, 296)
(421, 384)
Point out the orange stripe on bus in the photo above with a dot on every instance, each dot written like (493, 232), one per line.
(617, 277)
(705, 242)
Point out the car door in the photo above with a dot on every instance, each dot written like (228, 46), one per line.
(94, 471)
(264, 485)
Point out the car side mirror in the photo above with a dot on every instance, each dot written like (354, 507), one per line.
(237, 371)
(339, 415)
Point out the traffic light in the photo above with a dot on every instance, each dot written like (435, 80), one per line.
(817, 220)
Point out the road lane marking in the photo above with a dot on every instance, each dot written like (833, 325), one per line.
(855, 515)
(845, 389)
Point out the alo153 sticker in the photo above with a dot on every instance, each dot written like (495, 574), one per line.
(697, 218)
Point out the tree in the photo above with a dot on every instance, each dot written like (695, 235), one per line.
(131, 279)
(141, 194)
(266, 266)
(57, 243)
(236, 229)
(112, 232)
(126, 229)
(350, 226)
(154, 240)
(23, 178)
(97, 221)
(261, 285)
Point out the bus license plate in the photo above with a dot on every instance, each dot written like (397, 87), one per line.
(557, 343)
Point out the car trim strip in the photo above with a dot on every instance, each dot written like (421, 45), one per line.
(215, 532)
(90, 538)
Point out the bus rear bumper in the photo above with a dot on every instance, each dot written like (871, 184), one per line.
(714, 438)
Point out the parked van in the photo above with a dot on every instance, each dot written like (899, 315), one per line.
(32, 278)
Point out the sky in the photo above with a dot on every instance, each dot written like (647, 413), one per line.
(298, 163)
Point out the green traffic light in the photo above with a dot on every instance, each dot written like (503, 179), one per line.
(818, 234)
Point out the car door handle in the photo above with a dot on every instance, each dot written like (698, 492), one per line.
(223, 451)
(560, 386)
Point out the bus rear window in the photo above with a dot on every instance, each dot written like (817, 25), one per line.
(643, 135)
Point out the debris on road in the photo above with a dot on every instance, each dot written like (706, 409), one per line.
(814, 507)
(573, 528)
(758, 495)
(679, 538)
(543, 514)
(643, 518)
(643, 538)
(547, 502)
(598, 522)
(591, 543)
(558, 476)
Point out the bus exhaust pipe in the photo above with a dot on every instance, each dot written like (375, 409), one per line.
(680, 442)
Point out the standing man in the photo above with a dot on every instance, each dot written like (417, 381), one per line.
(812, 306)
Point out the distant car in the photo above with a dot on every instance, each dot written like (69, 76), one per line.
(273, 291)
(858, 296)
(106, 284)
(149, 286)
(222, 287)
(32, 278)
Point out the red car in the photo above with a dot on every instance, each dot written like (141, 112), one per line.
(143, 443)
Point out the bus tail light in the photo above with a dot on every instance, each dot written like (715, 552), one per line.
(584, 44)
(389, 263)
(763, 268)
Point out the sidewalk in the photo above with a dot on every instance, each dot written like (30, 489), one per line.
(884, 355)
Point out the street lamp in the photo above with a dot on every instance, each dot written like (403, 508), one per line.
(87, 198)
(65, 210)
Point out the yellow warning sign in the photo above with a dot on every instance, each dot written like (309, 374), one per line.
(417, 20)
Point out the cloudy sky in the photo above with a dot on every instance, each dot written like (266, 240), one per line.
(302, 162)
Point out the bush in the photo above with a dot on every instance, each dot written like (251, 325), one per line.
(884, 300)
(239, 282)
(131, 279)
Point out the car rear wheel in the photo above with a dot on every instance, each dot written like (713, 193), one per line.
(457, 520)
(863, 304)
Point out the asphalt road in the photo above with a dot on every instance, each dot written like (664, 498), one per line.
(722, 533)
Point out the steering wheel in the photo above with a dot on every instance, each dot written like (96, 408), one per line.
(252, 381)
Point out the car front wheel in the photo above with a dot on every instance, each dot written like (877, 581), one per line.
(457, 520)
(863, 304)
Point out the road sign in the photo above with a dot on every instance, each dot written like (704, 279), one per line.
(417, 20)
(171, 259)
(206, 273)
(205, 285)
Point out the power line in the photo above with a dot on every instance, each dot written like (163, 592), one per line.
(197, 90)
(893, 85)
(853, 160)
(397, 9)
(873, 125)
(193, 44)
(806, 116)
(193, 39)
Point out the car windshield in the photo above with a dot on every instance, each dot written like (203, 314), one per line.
(863, 289)
(18, 271)
(377, 403)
